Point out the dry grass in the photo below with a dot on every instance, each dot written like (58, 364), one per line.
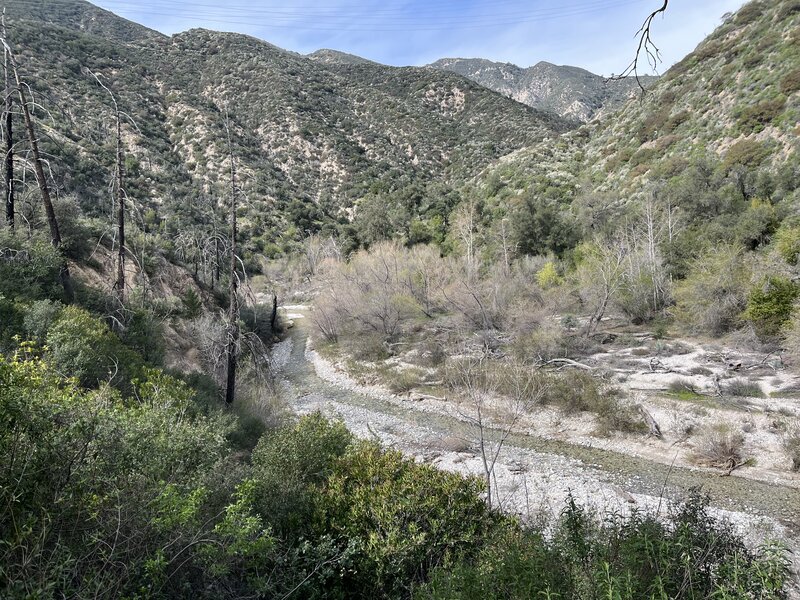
(742, 388)
(791, 446)
(721, 448)
(683, 385)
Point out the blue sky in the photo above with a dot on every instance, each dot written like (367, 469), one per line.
(594, 34)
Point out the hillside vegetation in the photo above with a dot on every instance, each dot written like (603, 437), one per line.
(458, 247)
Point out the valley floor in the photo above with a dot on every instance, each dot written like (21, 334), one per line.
(549, 457)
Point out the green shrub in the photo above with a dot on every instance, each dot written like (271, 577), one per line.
(582, 392)
(76, 238)
(787, 243)
(770, 305)
(753, 119)
(548, 277)
(99, 517)
(749, 13)
(790, 8)
(192, 304)
(402, 381)
(641, 556)
(714, 294)
(290, 464)
(83, 347)
(144, 333)
(743, 388)
(400, 518)
(790, 82)
(28, 268)
(39, 317)
(747, 153)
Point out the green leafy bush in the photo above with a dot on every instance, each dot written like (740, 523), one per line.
(144, 333)
(86, 471)
(787, 242)
(39, 317)
(747, 153)
(642, 556)
(28, 268)
(756, 117)
(770, 305)
(714, 294)
(291, 464)
(402, 518)
(83, 347)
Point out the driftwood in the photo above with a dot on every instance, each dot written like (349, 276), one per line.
(652, 425)
(567, 362)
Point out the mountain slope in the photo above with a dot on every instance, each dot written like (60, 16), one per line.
(311, 138)
(714, 145)
(737, 93)
(79, 15)
(736, 97)
(568, 91)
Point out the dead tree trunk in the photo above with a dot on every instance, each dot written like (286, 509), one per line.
(120, 193)
(119, 201)
(233, 308)
(41, 179)
(8, 133)
(273, 319)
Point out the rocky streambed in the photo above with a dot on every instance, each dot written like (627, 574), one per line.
(534, 475)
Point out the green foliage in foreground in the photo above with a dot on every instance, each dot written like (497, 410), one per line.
(688, 555)
(105, 495)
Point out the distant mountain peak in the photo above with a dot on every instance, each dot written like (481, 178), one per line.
(571, 92)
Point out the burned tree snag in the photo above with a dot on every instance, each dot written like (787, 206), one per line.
(119, 202)
(231, 350)
(41, 179)
(8, 134)
(273, 318)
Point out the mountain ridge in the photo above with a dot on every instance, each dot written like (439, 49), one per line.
(569, 91)
(312, 139)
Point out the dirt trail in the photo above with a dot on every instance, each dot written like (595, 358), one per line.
(534, 475)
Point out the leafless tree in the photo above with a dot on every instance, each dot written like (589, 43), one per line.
(8, 134)
(317, 250)
(493, 400)
(601, 275)
(465, 227)
(119, 199)
(38, 164)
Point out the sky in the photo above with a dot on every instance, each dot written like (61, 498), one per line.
(598, 35)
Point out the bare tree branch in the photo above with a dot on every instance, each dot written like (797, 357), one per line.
(646, 48)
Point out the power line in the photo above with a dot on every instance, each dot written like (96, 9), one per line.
(314, 20)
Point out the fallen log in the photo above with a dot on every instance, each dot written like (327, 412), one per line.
(567, 362)
(652, 425)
